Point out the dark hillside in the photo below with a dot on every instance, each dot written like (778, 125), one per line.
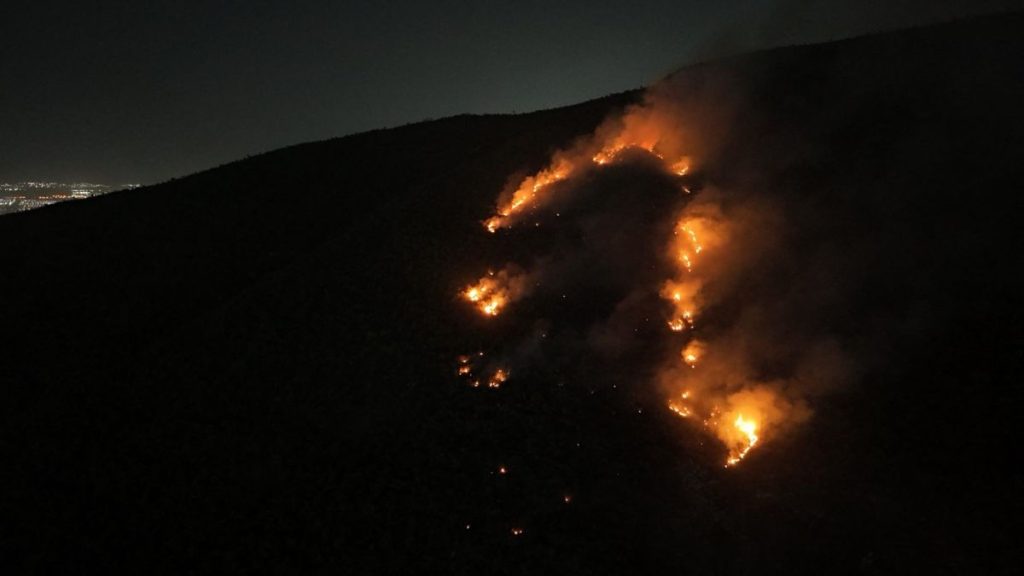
(250, 368)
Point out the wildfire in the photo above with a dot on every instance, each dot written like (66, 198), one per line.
(682, 167)
(748, 428)
(692, 353)
(494, 291)
(488, 302)
(526, 194)
(689, 245)
(683, 292)
(691, 236)
(683, 295)
(680, 409)
(532, 189)
(605, 156)
(468, 364)
(684, 257)
(739, 435)
(498, 378)
(698, 233)
(625, 141)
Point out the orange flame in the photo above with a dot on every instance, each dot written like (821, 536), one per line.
(494, 291)
(527, 193)
(692, 353)
(748, 429)
(497, 379)
(682, 167)
(645, 136)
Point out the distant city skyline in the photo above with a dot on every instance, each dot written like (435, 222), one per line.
(146, 92)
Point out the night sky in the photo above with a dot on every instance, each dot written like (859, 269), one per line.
(120, 92)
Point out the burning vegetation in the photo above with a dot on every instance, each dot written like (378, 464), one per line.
(709, 239)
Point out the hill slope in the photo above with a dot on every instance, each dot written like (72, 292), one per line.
(250, 368)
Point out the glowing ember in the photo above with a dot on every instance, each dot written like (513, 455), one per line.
(680, 409)
(689, 235)
(683, 296)
(497, 379)
(465, 368)
(517, 531)
(502, 470)
(684, 257)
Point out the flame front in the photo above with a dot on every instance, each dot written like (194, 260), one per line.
(695, 232)
(748, 430)
(532, 189)
(527, 193)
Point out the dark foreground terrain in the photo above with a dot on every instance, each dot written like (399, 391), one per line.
(250, 368)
